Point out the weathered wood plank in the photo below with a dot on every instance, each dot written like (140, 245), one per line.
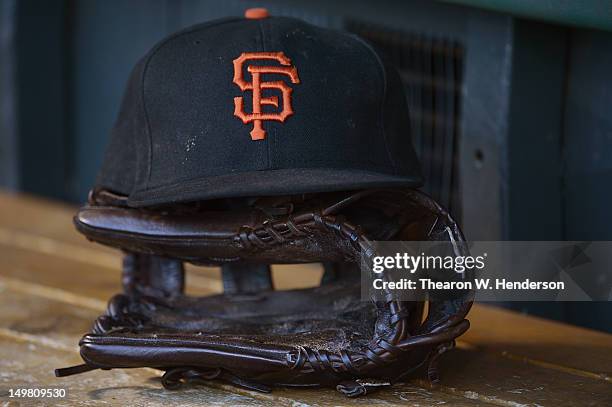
(507, 332)
(88, 280)
(101, 278)
(470, 375)
(542, 340)
(75, 275)
(41, 217)
(486, 376)
(57, 322)
(55, 327)
(53, 283)
(25, 364)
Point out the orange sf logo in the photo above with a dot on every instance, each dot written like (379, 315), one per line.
(257, 116)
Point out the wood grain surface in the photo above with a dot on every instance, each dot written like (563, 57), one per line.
(53, 283)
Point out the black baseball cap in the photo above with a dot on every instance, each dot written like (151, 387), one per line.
(258, 106)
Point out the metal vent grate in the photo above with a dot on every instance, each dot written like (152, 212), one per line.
(431, 70)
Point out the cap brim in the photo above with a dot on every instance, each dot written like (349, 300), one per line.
(269, 183)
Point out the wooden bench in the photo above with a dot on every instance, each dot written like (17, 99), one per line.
(53, 283)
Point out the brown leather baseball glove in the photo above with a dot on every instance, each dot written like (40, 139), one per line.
(252, 335)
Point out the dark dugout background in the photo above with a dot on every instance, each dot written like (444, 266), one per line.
(511, 106)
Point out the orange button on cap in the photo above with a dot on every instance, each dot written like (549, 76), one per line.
(256, 13)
